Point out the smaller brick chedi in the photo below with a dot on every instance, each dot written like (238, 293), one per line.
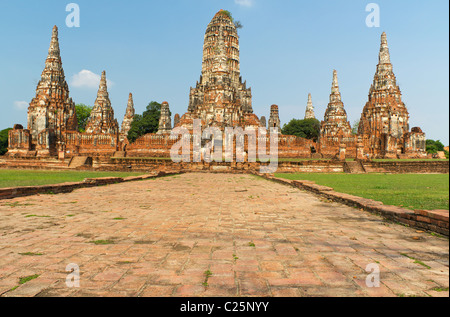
(335, 125)
(102, 116)
(50, 113)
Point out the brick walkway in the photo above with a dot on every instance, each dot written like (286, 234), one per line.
(255, 237)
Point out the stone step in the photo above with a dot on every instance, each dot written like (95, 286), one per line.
(78, 161)
(354, 167)
(120, 154)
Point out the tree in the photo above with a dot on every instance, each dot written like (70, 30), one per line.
(83, 114)
(238, 24)
(4, 141)
(434, 146)
(146, 123)
(355, 127)
(308, 128)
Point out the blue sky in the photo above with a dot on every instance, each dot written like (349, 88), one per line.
(289, 48)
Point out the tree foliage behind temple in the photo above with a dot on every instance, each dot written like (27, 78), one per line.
(83, 114)
(4, 141)
(308, 128)
(146, 123)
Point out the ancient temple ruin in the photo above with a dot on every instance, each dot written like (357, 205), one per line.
(102, 120)
(335, 125)
(51, 112)
(385, 119)
(220, 99)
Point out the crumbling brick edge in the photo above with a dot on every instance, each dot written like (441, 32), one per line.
(14, 192)
(436, 221)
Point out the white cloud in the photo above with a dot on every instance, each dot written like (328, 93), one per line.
(244, 3)
(87, 79)
(20, 105)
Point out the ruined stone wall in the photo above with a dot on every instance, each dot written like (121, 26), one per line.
(88, 144)
(402, 167)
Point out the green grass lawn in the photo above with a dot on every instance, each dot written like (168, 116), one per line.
(412, 191)
(17, 178)
(408, 160)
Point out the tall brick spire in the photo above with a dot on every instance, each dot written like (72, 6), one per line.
(335, 123)
(221, 48)
(384, 57)
(335, 93)
(384, 113)
(54, 51)
(102, 116)
(52, 109)
(220, 98)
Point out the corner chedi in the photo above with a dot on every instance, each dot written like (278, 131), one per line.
(335, 125)
(102, 119)
(220, 99)
(385, 120)
(51, 112)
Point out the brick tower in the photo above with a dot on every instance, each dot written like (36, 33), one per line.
(385, 119)
(52, 111)
(102, 119)
(335, 125)
(220, 98)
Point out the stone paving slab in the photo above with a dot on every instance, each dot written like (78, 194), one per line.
(158, 238)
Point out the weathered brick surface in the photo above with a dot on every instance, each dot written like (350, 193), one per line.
(220, 99)
(256, 238)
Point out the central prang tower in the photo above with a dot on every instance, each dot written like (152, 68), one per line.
(220, 99)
